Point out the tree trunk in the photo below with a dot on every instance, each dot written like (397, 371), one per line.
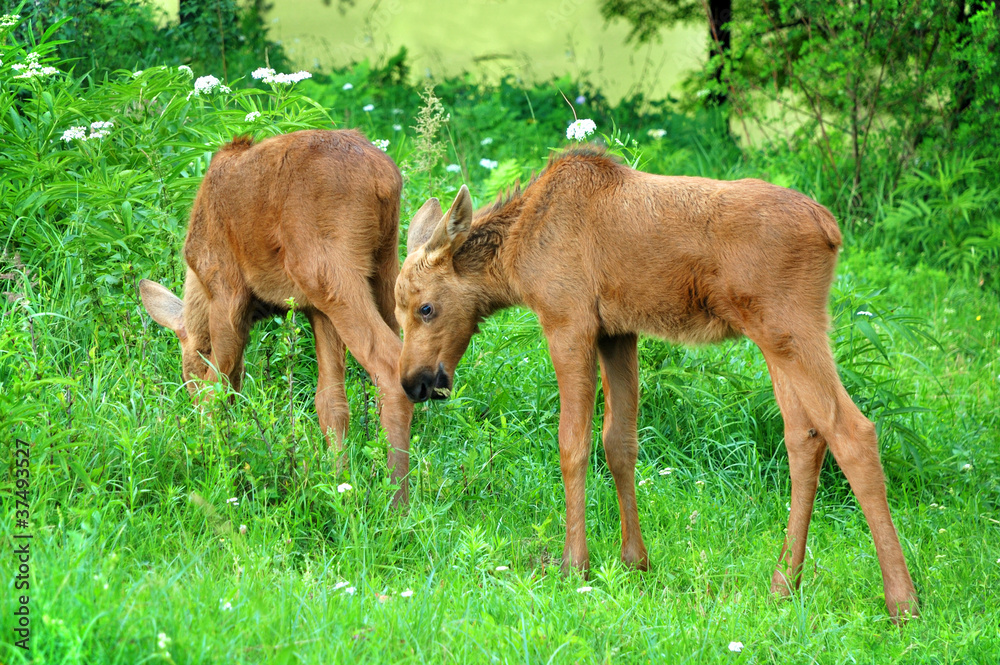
(720, 13)
(965, 87)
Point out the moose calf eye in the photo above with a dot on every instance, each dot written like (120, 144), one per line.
(426, 310)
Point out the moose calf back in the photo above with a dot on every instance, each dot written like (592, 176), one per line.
(690, 259)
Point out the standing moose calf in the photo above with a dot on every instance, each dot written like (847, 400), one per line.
(601, 253)
(314, 216)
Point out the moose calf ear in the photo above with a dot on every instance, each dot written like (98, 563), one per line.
(460, 218)
(423, 224)
(163, 306)
(453, 228)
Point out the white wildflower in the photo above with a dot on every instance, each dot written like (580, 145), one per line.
(75, 134)
(699, 483)
(252, 116)
(350, 590)
(486, 141)
(285, 79)
(186, 70)
(488, 163)
(382, 144)
(643, 482)
(340, 585)
(243, 529)
(966, 467)
(31, 69)
(225, 605)
(578, 130)
(348, 86)
(344, 487)
(100, 129)
(233, 501)
(262, 73)
(162, 640)
(656, 133)
(453, 168)
(137, 73)
(368, 108)
(397, 128)
(585, 589)
(736, 647)
(500, 569)
(667, 471)
(9, 20)
(407, 593)
(862, 312)
(206, 84)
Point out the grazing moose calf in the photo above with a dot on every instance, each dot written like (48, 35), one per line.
(314, 216)
(601, 253)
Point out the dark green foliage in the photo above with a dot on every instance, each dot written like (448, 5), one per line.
(216, 36)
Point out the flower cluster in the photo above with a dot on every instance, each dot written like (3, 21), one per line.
(268, 75)
(656, 133)
(488, 163)
(580, 129)
(98, 130)
(186, 70)
(206, 84)
(382, 144)
(31, 69)
(252, 116)
(9, 20)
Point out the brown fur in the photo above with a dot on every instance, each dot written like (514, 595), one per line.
(603, 253)
(314, 216)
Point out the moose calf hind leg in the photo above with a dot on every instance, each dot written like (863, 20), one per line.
(806, 448)
(851, 438)
(855, 447)
(619, 376)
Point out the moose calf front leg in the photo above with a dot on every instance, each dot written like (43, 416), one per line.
(331, 398)
(574, 362)
(620, 378)
(228, 327)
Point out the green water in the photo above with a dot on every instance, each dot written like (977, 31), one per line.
(530, 40)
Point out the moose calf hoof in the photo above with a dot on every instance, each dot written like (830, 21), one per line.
(401, 499)
(568, 568)
(780, 584)
(635, 560)
(902, 607)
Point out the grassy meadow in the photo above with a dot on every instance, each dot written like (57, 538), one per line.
(161, 532)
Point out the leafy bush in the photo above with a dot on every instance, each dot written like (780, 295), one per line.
(946, 217)
(219, 37)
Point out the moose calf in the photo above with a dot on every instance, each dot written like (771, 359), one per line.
(314, 216)
(602, 253)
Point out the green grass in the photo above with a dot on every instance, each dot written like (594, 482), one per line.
(134, 533)
(124, 551)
